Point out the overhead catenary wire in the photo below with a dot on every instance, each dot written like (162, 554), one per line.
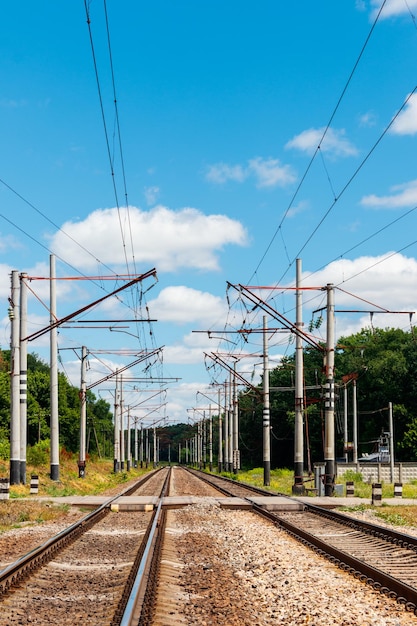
(326, 130)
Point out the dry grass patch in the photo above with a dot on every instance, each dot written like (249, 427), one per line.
(16, 513)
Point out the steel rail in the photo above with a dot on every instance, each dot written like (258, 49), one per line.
(378, 579)
(18, 570)
(142, 585)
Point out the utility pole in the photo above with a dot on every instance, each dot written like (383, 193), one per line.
(266, 427)
(129, 444)
(83, 413)
(23, 375)
(355, 423)
(116, 460)
(141, 445)
(122, 427)
(329, 442)
(298, 486)
(236, 453)
(210, 440)
(345, 422)
(220, 453)
(226, 427)
(14, 316)
(391, 440)
(54, 374)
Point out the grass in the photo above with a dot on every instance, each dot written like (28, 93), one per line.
(99, 477)
(22, 508)
(397, 515)
(18, 513)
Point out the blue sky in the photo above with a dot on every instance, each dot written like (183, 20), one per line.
(250, 134)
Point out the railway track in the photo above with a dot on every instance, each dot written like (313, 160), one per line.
(379, 556)
(83, 573)
(189, 565)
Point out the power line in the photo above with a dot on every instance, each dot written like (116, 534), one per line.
(332, 116)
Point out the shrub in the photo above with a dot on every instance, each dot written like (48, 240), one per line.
(4, 450)
(38, 454)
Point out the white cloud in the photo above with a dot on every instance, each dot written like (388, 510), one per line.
(367, 119)
(404, 195)
(267, 172)
(406, 122)
(334, 143)
(392, 8)
(169, 240)
(387, 281)
(184, 305)
(220, 173)
(298, 208)
(185, 398)
(151, 195)
(270, 173)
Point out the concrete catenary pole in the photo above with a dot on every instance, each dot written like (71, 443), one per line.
(220, 454)
(226, 428)
(116, 455)
(23, 375)
(298, 486)
(83, 414)
(136, 444)
(391, 441)
(355, 422)
(122, 426)
(129, 443)
(235, 437)
(141, 445)
(14, 316)
(266, 422)
(54, 374)
(345, 421)
(329, 440)
(204, 439)
(210, 439)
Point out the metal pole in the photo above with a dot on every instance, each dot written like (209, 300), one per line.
(210, 440)
(329, 441)
(147, 448)
(266, 412)
(204, 439)
(116, 465)
(136, 443)
(122, 427)
(345, 421)
(129, 443)
(220, 454)
(14, 315)
(23, 376)
(355, 423)
(226, 428)
(236, 459)
(298, 486)
(154, 446)
(141, 446)
(83, 413)
(54, 375)
(391, 441)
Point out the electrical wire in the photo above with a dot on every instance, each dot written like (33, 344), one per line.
(326, 130)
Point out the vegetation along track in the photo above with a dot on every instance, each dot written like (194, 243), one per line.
(82, 575)
(379, 556)
(200, 562)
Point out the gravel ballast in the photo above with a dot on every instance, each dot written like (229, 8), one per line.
(240, 570)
